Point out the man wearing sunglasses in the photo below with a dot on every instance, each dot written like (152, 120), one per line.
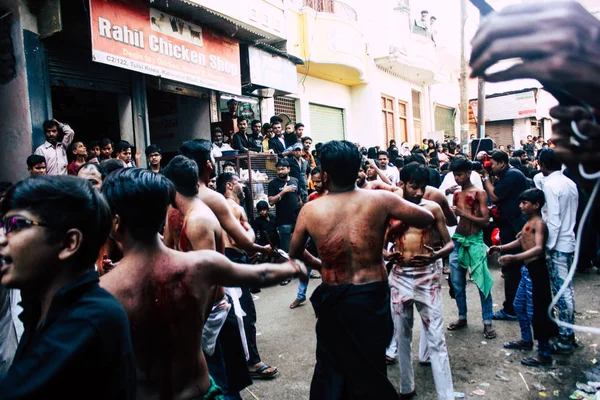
(51, 231)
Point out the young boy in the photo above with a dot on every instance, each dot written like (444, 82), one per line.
(75, 331)
(106, 149)
(533, 296)
(123, 150)
(36, 165)
(470, 252)
(79, 153)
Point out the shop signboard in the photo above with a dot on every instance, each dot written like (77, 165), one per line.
(510, 106)
(134, 36)
(272, 71)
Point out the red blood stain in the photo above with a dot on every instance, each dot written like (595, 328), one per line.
(334, 256)
(527, 229)
(471, 202)
(456, 196)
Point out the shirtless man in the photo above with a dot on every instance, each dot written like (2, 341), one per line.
(199, 150)
(363, 181)
(415, 280)
(470, 252)
(167, 293)
(229, 185)
(353, 303)
(200, 230)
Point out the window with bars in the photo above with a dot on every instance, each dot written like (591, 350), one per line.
(327, 6)
(416, 109)
(287, 107)
(388, 118)
(402, 121)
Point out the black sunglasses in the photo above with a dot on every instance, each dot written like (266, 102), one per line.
(16, 223)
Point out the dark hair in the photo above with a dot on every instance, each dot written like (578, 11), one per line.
(217, 129)
(122, 145)
(229, 164)
(198, 150)
(305, 138)
(461, 165)
(282, 162)
(515, 162)
(289, 123)
(266, 126)
(519, 153)
(140, 197)
(298, 125)
(392, 141)
(533, 196)
(262, 205)
(275, 119)
(383, 153)
(73, 146)
(499, 156)
(97, 166)
(418, 158)
(93, 143)
(341, 160)
(183, 173)
(240, 119)
(105, 142)
(414, 172)
(547, 158)
(222, 180)
(315, 170)
(111, 165)
(152, 149)
(431, 141)
(34, 160)
(4, 186)
(254, 122)
(49, 123)
(64, 202)
(399, 162)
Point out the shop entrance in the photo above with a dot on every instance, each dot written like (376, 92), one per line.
(93, 115)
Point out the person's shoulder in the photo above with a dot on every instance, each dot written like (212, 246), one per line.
(102, 310)
(292, 179)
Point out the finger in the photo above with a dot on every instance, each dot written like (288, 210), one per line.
(428, 248)
(569, 113)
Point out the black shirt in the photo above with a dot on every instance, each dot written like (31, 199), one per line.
(243, 144)
(435, 178)
(266, 230)
(511, 183)
(290, 139)
(82, 349)
(276, 145)
(287, 208)
(529, 148)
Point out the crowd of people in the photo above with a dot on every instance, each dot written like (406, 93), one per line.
(141, 276)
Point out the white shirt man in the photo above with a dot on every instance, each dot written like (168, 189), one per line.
(55, 152)
(388, 169)
(560, 212)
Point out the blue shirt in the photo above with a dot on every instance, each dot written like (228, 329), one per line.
(81, 350)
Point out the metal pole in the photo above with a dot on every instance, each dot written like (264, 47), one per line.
(464, 89)
(481, 108)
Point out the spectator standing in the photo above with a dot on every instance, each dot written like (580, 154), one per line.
(218, 146)
(299, 169)
(123, 150)
(284, 194)
(299, 129)
(256, 136)
(53, 150)
(153, 154)
(36, 165)
(241, 141)
(505, 194)
(267, 131)
(78, 150)
(290, 138)
(560, 214)
(277, 143)
(390, 171)
(106, 149)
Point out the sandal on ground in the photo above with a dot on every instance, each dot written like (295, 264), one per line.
(390, 360)
(296, 303)
(489, 333)
(454, 326)
(518, 345)
(537, 362)
(261, 373)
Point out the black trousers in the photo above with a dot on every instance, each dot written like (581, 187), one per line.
(247, 304)
(512, 272)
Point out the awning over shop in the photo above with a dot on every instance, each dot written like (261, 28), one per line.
(265, 74)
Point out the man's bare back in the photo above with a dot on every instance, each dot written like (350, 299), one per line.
(470, 202)
(341, 225)
(167, 300)
(240, 215)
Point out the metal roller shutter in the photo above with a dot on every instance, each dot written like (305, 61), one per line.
(444, 120)
(500, 131)
(326, 123)
(75, 68)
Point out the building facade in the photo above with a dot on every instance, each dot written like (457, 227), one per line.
(166, 71)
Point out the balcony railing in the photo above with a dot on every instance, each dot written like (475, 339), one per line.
(332, 7)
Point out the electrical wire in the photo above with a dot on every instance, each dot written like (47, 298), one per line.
(583, 222)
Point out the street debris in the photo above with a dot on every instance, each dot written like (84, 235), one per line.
(478, 392)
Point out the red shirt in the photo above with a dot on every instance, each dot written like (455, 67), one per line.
(315, 195)
(73, 167)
